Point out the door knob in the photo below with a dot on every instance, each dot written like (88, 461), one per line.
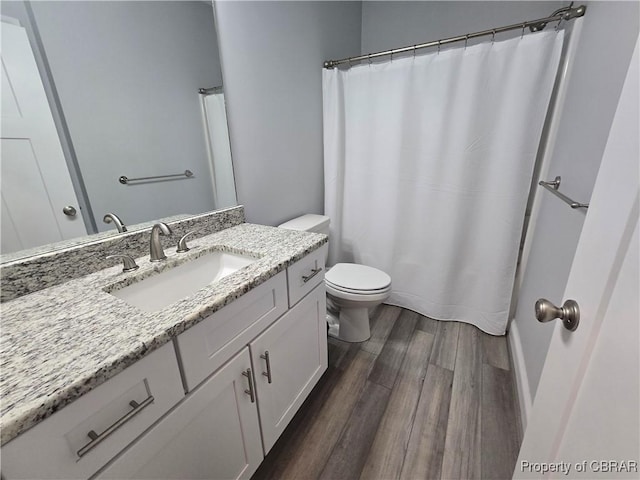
(69, 211)
(569, 313)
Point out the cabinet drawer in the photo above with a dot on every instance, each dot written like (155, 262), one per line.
(305, 274)
(116, 412)
(205, 347)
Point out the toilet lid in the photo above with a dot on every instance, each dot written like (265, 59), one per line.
(351, 276)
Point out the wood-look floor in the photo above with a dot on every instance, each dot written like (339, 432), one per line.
(419, 399)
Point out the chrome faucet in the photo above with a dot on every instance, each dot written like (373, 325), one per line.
(112, 217)
(157, 252)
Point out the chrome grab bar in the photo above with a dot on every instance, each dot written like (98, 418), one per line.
(96, 439)
(125, 180)
(553, 188)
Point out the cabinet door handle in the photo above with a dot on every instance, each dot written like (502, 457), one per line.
(96, 439)
(265, 357)
(314, 272)
(247, 373)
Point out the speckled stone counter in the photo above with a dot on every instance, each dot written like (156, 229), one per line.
(59, 343)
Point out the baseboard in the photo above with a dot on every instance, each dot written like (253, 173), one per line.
(521, 378)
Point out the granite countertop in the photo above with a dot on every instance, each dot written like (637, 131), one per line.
(59, 343)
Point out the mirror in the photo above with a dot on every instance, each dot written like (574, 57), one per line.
(136, 89)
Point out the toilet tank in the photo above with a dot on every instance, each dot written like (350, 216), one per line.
(308, 223)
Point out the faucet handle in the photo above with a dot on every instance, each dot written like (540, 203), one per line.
(128, 263)
(182, 243)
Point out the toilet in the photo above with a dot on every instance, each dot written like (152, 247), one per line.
(352, 289)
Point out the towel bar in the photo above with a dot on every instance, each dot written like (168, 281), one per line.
(125, 180)
(553, 188)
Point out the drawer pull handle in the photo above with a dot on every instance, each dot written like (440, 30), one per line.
(314, 272)
(96, 439)
(265, 357)
(247, 373)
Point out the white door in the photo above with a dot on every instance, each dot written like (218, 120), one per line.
(585, 418)
(36, 185)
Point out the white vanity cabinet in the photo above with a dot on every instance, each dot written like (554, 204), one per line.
(246, 369)
(234, 413)
(213, 434)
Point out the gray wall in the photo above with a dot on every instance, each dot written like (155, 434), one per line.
(127, 75)
(608, 37)
(272, 54)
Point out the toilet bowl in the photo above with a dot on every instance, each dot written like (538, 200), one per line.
(352, 289)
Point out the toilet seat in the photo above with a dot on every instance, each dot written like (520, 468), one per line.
(355, 290)
(359, 297)
(352, 278)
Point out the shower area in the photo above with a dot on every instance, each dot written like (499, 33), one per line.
(433, 153)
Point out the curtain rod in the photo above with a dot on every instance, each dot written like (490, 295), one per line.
(566, 13)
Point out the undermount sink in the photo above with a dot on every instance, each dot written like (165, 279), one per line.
(162, 289)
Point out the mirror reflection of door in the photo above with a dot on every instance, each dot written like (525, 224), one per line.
(36, 186)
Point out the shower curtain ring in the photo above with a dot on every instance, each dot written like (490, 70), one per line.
(414, 51)
(466, 39)
(523, 27)
(558, 24)
(349, 61)
(438, 47)
(493, 36)
(369, 57)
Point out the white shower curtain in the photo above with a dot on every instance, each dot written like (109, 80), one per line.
(220, 150)
(428, 163)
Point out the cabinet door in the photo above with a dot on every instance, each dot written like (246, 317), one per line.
(296, 348)
(213, 433)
